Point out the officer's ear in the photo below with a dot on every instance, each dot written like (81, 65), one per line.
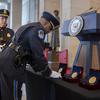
(43, 21)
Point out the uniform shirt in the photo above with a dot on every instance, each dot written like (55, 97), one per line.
(5, 36)
(32, 41)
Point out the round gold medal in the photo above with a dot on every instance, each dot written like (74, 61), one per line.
(74, 75)
(92, 80)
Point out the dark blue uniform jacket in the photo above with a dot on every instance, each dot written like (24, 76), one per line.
(31, 38)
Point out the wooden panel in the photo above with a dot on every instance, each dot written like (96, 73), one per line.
(63, 57)
(95, 58)
(53, 60)
(53, 56)
(54, 65)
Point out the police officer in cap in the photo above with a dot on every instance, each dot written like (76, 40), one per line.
(38, 88)
(6, 34)
(28, 42)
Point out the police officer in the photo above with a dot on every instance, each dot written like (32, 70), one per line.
(5, 38)
(28, 42)
(37, 87)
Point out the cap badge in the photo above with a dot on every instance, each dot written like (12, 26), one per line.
(5, 12)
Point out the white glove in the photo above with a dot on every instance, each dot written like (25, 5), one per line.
(55, 74)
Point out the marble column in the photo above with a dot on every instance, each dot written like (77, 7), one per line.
(16, 13)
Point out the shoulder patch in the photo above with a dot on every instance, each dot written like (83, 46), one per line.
(41, 34)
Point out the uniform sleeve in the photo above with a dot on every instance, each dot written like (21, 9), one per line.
(36, 47)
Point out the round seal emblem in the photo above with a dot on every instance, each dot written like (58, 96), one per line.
(75, 26)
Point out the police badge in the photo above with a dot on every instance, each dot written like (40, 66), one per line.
(75, 26)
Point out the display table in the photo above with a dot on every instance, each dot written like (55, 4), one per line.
(40, 88)
(71, 91)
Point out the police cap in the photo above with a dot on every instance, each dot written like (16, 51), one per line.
(54, 22)
(4, 12)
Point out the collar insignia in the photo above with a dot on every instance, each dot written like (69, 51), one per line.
(8, 35)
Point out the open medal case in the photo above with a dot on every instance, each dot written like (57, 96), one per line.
(75, 75)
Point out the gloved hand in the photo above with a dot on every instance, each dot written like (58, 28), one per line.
(55, 74)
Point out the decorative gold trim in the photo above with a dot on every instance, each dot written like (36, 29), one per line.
(3, 15)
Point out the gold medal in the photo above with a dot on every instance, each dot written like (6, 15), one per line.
(8, 35)
(92, 80)
(74, 75)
